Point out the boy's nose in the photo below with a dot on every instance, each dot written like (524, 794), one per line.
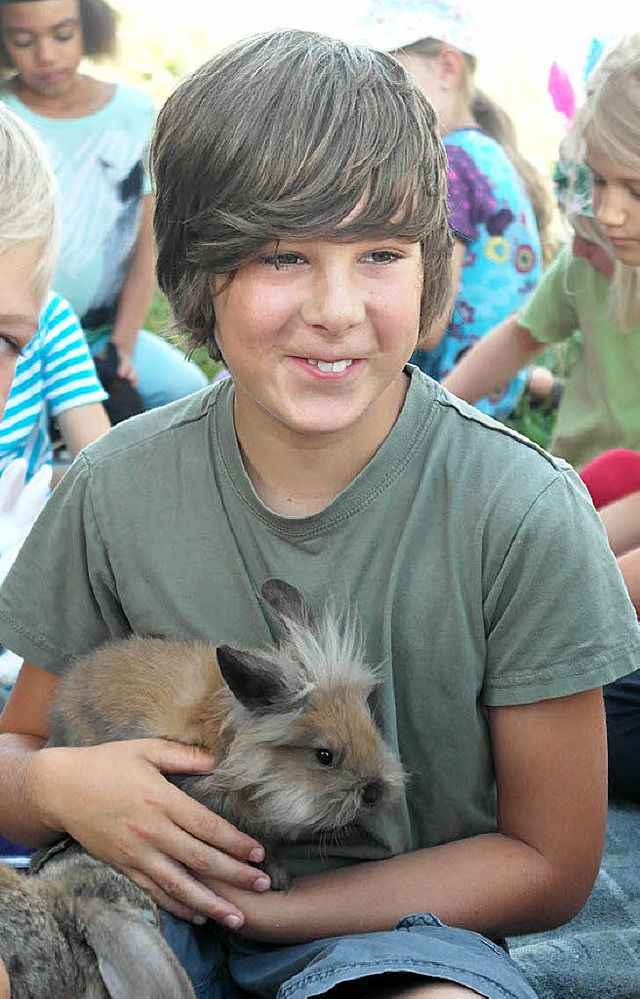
(334, 303)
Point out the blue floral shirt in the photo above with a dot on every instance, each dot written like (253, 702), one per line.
(491, 213)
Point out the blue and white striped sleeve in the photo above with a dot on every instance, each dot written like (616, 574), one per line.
(68, 372)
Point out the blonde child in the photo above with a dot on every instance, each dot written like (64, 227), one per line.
(302, 234)
(97, 135)
(591, 286)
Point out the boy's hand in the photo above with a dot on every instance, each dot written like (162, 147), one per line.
(125, 812)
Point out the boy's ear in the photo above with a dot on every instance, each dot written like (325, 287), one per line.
(251, 679)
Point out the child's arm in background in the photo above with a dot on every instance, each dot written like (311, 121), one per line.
(493, 361)
(82, 425)
(536, 872)
(629, 565)
(136, 293)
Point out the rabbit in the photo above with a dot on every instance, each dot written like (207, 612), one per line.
(81, 928)
(297, 751)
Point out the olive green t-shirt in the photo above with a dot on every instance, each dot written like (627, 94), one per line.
(475, 561)
(599, 408)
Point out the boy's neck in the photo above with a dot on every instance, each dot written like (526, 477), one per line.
(297, 475)
(85, 96)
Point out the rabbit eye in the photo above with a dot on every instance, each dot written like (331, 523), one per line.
(324, 757)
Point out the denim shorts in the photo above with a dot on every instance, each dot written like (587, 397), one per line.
(224, 966)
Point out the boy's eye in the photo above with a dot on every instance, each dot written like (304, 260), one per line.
(65, 36)
(281, 259)
(382, 256)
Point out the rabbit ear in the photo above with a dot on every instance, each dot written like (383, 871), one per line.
(133, 957)
(287, 601)
(251, 679)
(11, 485)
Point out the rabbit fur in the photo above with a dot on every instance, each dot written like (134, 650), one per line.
(297, 754)
(82, 929)
(297, 751)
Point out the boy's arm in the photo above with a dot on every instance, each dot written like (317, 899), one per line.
(535, 873)
(493, 361)
(115, 801)
(136, 293)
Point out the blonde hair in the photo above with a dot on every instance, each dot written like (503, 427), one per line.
(609, 121)
(28, 196)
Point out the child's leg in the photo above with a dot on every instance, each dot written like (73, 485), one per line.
(202, 955)
(164, 373)
(612, 475)
(420, 957)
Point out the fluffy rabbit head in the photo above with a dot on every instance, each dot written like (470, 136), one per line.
(306, 740)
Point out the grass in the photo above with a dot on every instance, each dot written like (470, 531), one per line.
(159, 320)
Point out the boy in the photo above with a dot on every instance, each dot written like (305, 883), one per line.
(302, 234)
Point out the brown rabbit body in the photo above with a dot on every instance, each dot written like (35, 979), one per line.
(297, 751)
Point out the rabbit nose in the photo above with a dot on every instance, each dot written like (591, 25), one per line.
(372, 792)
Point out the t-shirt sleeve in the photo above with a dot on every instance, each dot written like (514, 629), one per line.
(68, 372)
(557, 614)
(51, 617)
(550, 314)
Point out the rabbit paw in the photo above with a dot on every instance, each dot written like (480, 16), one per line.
(273, 866)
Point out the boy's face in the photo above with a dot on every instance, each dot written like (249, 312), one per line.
(616, 205)
(19, 308)
(44, 43)
(315, 332)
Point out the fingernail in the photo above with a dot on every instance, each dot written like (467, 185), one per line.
(262, 883)
(199, 920)
(256, 855)
(232, 922)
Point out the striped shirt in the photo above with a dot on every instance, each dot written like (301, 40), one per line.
(54, 373)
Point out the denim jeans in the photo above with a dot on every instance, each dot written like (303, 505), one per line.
(222, 966)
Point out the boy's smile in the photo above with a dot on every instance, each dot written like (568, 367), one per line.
(315, 332)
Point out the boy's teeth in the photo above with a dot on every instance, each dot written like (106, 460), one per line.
(330, 365)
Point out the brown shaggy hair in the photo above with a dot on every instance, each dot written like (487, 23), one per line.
(285, 135)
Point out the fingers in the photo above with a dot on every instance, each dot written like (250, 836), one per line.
(200, 899)
(174, 757)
